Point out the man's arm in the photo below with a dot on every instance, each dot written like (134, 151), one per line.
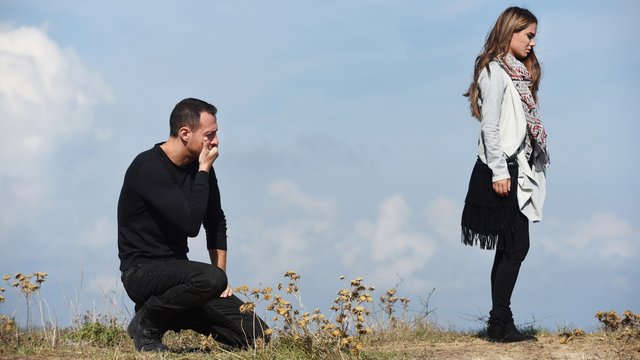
(219, 258)
(215, 226)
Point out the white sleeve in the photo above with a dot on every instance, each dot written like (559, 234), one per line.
(492, 88)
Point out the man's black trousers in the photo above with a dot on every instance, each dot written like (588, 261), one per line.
(184, 294)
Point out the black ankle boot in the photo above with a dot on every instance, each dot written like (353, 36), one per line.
(514, 335)
(505, 332)
(145, 337)
(496, 330)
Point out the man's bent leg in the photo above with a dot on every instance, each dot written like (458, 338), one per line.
(161, 290)
(221, 318)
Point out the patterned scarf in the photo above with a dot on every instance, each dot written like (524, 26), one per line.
(536, 142)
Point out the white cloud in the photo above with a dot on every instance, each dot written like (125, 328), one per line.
(388, 247)
(443, 217)
(301, 232)
(291, 240)
(46, 97)
(46, 90)
(287, 192)
(603, 237)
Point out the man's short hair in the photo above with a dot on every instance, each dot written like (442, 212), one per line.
(187, 113)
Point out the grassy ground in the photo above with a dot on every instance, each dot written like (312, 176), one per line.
(421, 341)
(355, 328)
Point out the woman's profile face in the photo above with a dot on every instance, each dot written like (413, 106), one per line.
(522, 42)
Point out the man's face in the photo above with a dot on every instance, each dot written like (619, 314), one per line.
(208, 130)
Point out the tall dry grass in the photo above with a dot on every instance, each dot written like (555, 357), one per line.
(357, 325)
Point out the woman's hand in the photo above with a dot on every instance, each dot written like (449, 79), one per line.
(502, 187)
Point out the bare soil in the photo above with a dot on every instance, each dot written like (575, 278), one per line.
(590, 346)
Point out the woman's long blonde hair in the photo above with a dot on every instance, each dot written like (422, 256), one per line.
(511, 21)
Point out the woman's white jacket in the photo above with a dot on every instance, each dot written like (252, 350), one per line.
(503, 127)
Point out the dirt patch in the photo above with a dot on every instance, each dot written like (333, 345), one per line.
(593, 346)
(547, 347)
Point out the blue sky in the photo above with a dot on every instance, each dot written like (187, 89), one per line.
(346, 146)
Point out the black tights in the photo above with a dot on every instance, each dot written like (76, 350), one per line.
(504, 273)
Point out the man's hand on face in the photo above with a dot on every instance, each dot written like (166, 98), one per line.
(208, 155)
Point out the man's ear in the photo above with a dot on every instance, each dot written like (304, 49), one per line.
(184, 133)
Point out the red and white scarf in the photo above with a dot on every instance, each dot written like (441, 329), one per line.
(536, 141)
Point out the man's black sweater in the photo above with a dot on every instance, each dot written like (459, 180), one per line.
(161, 205)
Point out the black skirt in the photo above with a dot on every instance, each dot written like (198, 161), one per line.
(490, 220)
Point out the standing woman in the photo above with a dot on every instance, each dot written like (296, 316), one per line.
(507, 185)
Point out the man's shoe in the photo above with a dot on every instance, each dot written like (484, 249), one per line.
(145, 338)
